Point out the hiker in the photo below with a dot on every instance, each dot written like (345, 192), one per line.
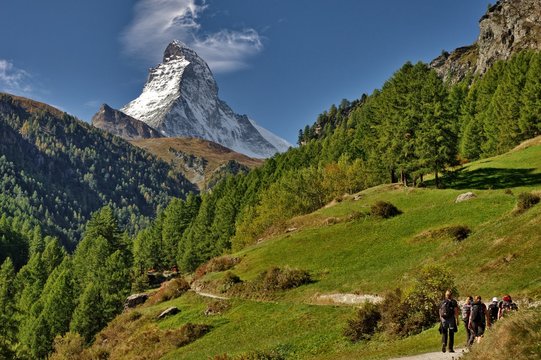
(494, 310)
(466, 311)
(506, 305)
(479, 319)
(449, 320)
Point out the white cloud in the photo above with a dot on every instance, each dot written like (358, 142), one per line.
(157, 22)
(14, 80)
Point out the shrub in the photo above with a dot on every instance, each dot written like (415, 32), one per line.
(514, 337)
(230, 279)
(459, 232)
(384, 210)
(456, 232)
(191, 332)
(221, 263)
(69, 346)
(217, 307)
(417, 310)
(277, 278)
(134, 315)
(526, 200)
(170, 290)
(365, 323)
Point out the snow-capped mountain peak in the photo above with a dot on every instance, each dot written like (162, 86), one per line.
(180, 98)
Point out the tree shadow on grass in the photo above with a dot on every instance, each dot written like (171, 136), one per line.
(491, 178)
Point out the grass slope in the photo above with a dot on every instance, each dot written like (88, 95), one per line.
(361, 254)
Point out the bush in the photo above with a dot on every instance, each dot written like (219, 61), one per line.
(134, 315)
(217, 264)
(514, 337)
(170, 290)
(526, 200)
(191, 332)
(384, 210)
(217, 307)
(230, 279)
(276, 278)
(417, 310)
(69, 346)
(364, 325)
(459, 232)
(456, 232)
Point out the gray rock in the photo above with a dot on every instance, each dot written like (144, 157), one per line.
(117, 123)
(508, 27)
(168, 312)
(465, 197)
(135, 300)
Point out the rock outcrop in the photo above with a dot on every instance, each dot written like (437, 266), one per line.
(117, 123)
(135, 300)
(508, 27)
(173, 310)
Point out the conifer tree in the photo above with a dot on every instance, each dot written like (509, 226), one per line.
(88, 316)
(8, 322)
(530, 115)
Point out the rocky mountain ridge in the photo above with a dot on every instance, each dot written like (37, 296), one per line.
(508, 27)
(122, 125)
(180, 99)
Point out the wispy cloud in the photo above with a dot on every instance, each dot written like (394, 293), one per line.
(158, 22)
(14, 80)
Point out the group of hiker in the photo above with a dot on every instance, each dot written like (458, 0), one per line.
(475, 315)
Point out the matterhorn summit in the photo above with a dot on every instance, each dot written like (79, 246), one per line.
(180, 99)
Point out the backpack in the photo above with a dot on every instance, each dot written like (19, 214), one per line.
(466, 311)
(493, 312)
(508, 306)
(447, 309)
(477, 313)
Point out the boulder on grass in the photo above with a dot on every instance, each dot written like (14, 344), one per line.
(465, 197)
(168, 312)
(135, 300)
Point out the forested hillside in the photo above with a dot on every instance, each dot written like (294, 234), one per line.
(57, 170)
(415, 126)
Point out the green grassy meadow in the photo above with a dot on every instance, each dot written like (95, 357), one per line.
(364, 255)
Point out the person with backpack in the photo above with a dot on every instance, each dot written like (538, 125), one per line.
(479, 319)
(494, 310)
(506, 306)
(466, 311)
(449, 319)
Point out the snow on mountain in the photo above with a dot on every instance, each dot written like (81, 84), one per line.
(276, 141)
(180, 99)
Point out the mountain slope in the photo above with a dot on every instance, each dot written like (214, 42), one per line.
(57, 170)
(348, 253)
(180, 99)
(122, 125)
(199, 160)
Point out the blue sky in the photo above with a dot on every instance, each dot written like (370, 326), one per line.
(281, 62)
